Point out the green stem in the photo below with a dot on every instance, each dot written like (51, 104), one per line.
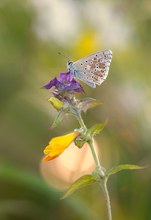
(90, 142)
(95, 156)
(107, 198)
(81, 122)
(103, 180)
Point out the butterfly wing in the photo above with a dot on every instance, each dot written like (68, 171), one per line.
(94, 68)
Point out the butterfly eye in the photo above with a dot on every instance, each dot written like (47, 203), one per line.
(70, 62)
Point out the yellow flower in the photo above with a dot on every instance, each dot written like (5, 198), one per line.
(57, 145)
(87, 43)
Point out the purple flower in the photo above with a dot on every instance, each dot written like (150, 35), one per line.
(64, 86)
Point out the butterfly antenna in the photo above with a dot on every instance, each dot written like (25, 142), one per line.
(64, 55)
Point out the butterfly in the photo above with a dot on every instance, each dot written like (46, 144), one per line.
(93, 69)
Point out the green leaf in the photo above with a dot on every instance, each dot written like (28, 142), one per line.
(81, 182)
(61, 114)
(122, 167)
(58, 119)
(87, 103)
(96, 129)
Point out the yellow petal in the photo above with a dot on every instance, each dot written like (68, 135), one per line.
(57, 104)
(47, 158)
(58, 144)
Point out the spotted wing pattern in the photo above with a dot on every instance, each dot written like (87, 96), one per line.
(94, 68)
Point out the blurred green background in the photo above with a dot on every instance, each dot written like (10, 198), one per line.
(31, 35)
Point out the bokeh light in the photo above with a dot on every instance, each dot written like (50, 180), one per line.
(73, 163)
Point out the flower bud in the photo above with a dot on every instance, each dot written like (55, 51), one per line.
(56, 103)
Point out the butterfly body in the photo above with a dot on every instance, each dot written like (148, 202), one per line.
(92, 69)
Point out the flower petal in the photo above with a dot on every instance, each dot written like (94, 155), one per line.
(57, 145)
(75, 86)
(65, 77)
(64, 86)
(52, 83)
(47, 158)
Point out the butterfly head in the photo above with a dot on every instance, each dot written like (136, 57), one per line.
(69, 64)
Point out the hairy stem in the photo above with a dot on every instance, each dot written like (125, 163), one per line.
(95, 156)
(90, 142)
(103, 180)
(81, 122)
(107, 198)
